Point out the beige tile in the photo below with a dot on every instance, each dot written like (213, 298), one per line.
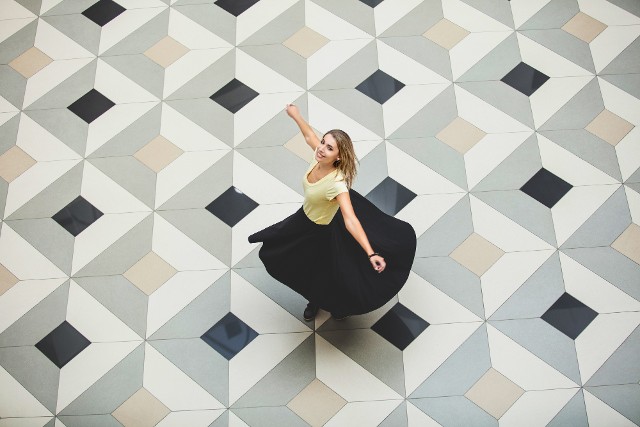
(446, 34)
(628, 243)
(477, 254)
(30, 62)
(609, 127)
(494, 393)
(158, 153)
(584, 27)
(166, 52)
(142, 409)
(150, 273)
(14, 162)
(317, 403)
(306, 42)
(460, 135)
(7, 279)
(298, 146)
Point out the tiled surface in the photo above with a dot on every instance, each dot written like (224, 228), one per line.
(141, 142)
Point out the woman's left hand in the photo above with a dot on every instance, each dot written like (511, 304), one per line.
(378, 263)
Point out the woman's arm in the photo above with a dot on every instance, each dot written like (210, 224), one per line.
(355, 228)
(309, 135)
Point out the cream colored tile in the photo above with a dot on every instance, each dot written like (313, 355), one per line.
(14, 162)
(298, 146)
(609, 127)
(7, 279)
(494, 393)
(30, 62)
(477, 254)
(446, 34)
(141, 410)
(306, 42)
(584, 27)
(317, 403)
(150, 273)
(166, 51)
(460, 135)
(628, 243)
(158, 153)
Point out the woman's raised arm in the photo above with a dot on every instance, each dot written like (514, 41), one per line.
(309, 135)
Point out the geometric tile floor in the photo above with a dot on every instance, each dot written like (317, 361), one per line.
(141, 142)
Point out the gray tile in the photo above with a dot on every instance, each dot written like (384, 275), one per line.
(18, 43)
(386, 363)
(120, 297)
(207, 114)
(621, 367)
(280, 28)
(12, 86)
(554, 15)
(67, 7)
(579, 111)
(75, 26)
(354, 12)
(114, 388)
(143, 38)
(222, 420)
(32, 6)
(461, 370)
(622, 398)
(545, 341)
(564, 44)
(51, 423)
(141, 70)
(352, 72)
(372, 170)
(279, 162)
(211, 17)
(605, 225)
(424, 51)
(131, 175)
(285, 381)
(501, 11)
(424, 16)
(282, 60)
(252, 260)
(4, 188)
(398, 418)
(454, 411)
(355, 105)
(574, 413)
(496, 64)
(611, 265)
(629, 83)
(627, 62)
(64, 125)
(90, 420)
(9, 134)
(630, 6)
(448, 232)
(452, 279)
(270, 416)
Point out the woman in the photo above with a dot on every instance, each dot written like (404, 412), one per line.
(347, 264)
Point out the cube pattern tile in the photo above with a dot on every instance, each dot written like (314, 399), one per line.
(142, 142)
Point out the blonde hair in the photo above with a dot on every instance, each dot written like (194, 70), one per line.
(348, 163)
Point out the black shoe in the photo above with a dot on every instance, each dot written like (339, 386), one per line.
(310, 312)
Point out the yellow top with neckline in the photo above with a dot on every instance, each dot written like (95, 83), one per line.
(320, 203)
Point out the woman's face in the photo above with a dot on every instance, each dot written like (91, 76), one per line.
(327, 150)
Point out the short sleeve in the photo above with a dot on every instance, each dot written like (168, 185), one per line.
(339, 186)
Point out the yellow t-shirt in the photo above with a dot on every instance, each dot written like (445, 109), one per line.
(320, 204)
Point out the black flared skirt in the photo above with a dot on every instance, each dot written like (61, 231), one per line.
(327, 266)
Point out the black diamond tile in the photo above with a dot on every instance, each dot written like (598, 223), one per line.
(229, 336)
(234, 95)
(390, 197)
(63, 344)
(77, 216)
(569, 316)
(546, 188)
(524, 78)
(231, 206)
(372, 3)
(236, 7)
(91, 105)
(103, 12)
(400, 326)
(380, 86)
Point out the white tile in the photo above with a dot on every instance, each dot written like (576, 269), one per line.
(471, 19)
(7, 107)
(324, 117)
(553, 95)
(93, 320)
(390, 12)
(25, 422)
(258, 358)
(608, 13)
(346, 377)
(522, 367)
(261, 78)
(601, 338)
(610, 43)
(416, 176)
(13, 10)
(179, 250)
(484, 116)
(537, 408)
(633, 199)
(16, 401)
(331, 26)
(523, 10)
(406, 69)
(431, 348)
(173, 387)
(331, 56)
(362, 148)
(57, 45)
(593, 290)
(628, 152)
(50, 77)
(125, 24)
(472, 49)
(12, 26)
(259, 15)
(192, 34)
(259, 311)
(260, 185)
(235, 421)
(139, 4)
(489, 152)
(88, 367)
(190, 418)
(119, 88)
(22, 297)
(425, 210)
(547, 61)
(106, 195)
(417, 418)
(432, 304)
(23, 260)
(189, 66)
(599, 414)
(406, 103)
(47, 5)
(363, 413)
(185, 134)
(176, 294)
(37, 142)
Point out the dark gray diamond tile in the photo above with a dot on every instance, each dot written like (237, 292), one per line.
(234, 95)
(400, 326)
(372, 3)
(546, 188)
(380, 86)
(524, 78)
(103, 12)
(236, 7)
(229, 336)
(91, 105)
(231, 206)
(77, 216)
(569, 316)
(63, 344)
(390, 196)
